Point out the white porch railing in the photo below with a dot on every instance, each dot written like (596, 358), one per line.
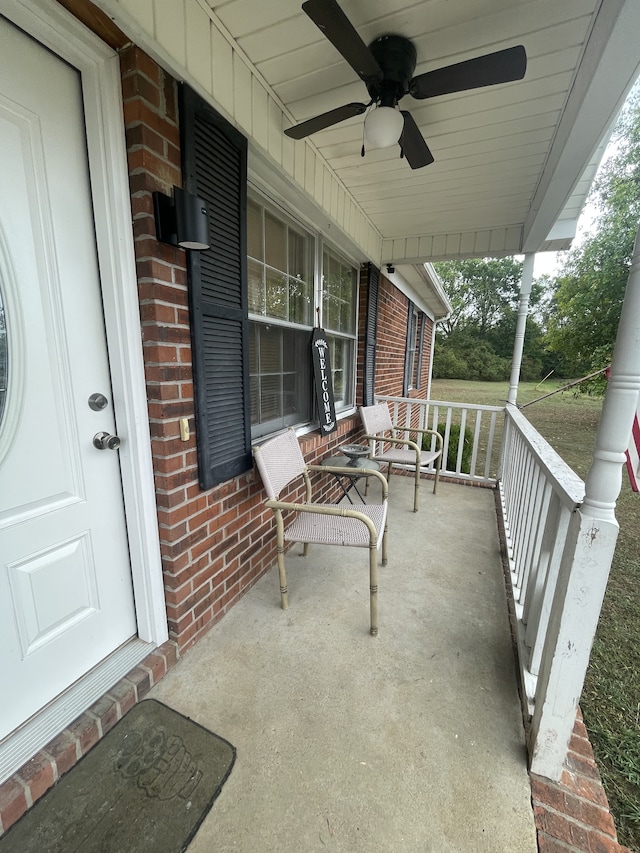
(551, 547)
(471, 434)
(539, 494)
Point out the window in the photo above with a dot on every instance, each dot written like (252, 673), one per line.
(282, 311)
(339, 289)
(413, 355)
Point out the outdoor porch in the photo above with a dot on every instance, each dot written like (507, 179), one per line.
(409, 741)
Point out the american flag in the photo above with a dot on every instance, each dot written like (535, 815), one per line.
(633, 453)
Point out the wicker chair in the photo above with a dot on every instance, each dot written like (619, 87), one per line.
(280, 461)
(379, 428)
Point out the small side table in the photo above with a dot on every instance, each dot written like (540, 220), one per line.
(360, 464)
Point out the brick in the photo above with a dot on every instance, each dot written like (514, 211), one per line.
(124, 694)
(85, 730)
(106, 712)
(13, 802)
(63, 750)
(137, 86)
(546, 844)
(135, 60)
(137, 111)
(156, 666)
(158, 312)
(169, 652)
(37, 775)
(141, 681)
(589, 789)
(581, 746)
(165, 291)
(171, 410)
(579, 764)
(146, 160)
(602, 844)
(141, 135)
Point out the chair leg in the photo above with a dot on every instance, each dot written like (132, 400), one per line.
(284, 594)
(416, 489)
(437, 477)
(384, 543)
(373, 589)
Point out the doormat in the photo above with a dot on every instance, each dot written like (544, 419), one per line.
(144, 788)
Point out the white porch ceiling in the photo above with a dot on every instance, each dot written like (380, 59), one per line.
(511, 160)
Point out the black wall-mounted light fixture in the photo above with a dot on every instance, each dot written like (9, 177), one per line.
(182, 220)
(391, 269)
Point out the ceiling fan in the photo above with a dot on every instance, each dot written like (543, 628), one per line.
(386, 67)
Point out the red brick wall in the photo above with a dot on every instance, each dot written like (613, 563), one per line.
(393, 307)
(214, 544)
(427, 336)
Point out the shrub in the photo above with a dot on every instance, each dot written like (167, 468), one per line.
(454, 443)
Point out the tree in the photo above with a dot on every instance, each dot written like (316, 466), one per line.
(479, 291)
(589, 289)
(476, 342)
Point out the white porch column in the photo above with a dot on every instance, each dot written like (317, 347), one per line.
(523, 310)
(586, 562)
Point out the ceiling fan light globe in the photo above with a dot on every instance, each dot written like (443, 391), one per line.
(383, 127)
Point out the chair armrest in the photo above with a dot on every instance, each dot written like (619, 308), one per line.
(431, 432)
(350, 472)
(327, 510)
(389, 440)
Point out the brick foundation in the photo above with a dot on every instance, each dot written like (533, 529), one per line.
(572, 816)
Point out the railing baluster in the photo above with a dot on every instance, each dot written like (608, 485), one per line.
(407, 413)
(476, 444)
(463, 424)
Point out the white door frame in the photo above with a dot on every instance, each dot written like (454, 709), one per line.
(99, 66)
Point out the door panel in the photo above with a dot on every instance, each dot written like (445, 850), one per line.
(66, 599)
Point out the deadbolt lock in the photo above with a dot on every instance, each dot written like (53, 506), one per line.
(106, 441)
(98, 402)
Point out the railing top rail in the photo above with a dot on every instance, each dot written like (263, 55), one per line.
(564, 479)
(441, 403)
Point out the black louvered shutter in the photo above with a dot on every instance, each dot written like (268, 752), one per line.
(421, 328)
(214, 159)
(407, 352)
(371, 334)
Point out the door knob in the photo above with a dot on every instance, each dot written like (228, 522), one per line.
(106, 441)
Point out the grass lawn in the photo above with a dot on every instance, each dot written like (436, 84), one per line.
(611, 697)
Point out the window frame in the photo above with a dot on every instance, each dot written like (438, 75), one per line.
(318, 246)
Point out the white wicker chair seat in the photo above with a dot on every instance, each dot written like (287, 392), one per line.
(319, 529)
(400, 456)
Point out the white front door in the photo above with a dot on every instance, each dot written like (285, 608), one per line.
(66, 599)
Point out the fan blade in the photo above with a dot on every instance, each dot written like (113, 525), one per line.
(412, 142)
(503, 66)
(329, 17)
(313, 125)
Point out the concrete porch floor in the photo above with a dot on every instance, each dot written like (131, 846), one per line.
(409, 741)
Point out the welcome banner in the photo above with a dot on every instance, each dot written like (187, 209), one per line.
(323, 382)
